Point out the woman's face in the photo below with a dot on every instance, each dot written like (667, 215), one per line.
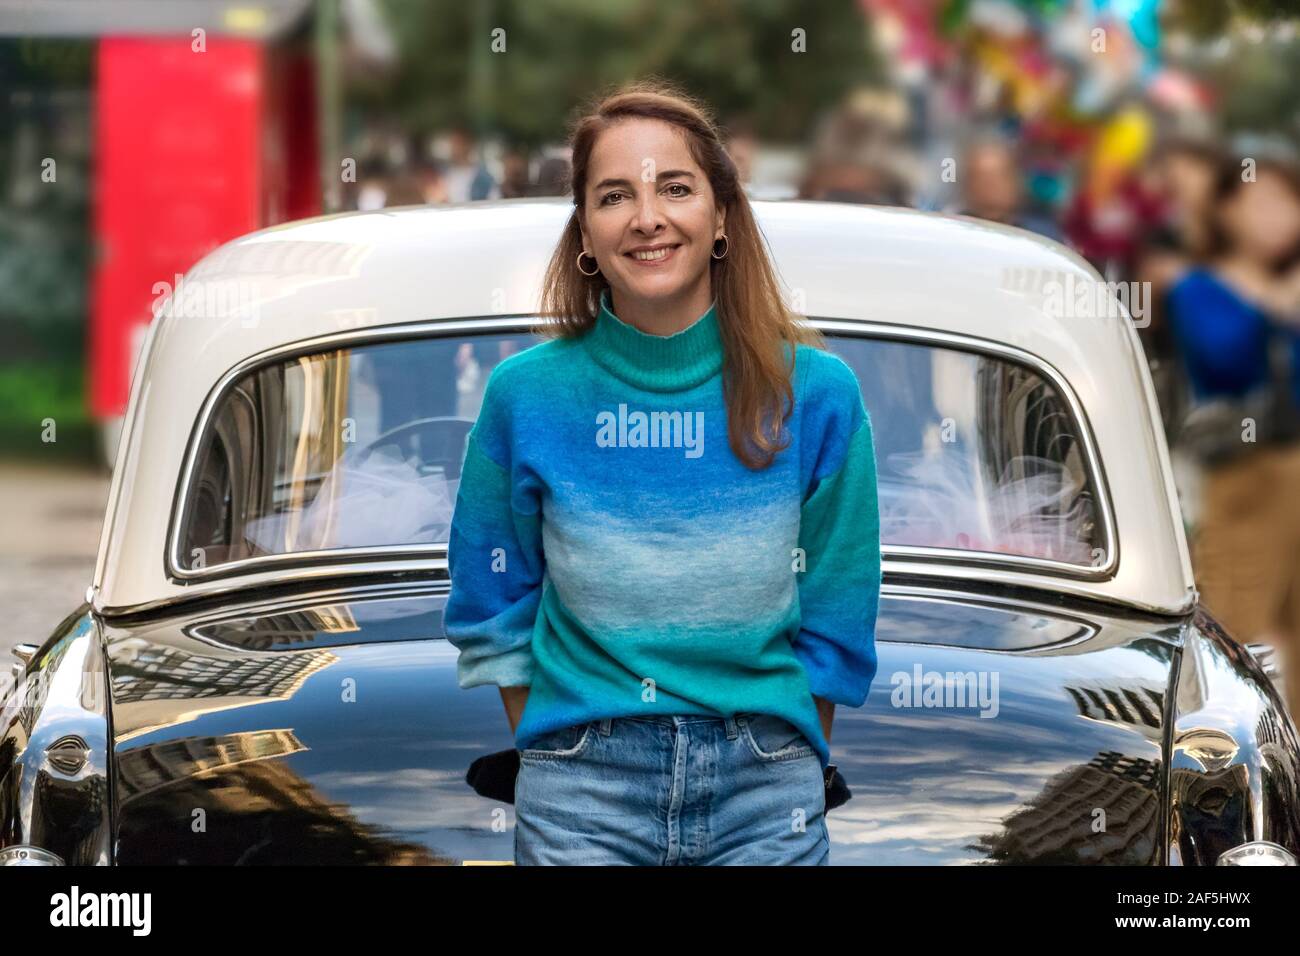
(1262, 219)
(646, 193)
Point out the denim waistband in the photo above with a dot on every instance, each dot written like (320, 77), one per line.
(676, 720)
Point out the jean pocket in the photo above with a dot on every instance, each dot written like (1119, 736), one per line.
(775, 738)
(562, 744)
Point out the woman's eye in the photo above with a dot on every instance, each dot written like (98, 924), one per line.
(608, 198)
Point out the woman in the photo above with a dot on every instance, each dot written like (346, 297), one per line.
(671, 617)
(1237, 323)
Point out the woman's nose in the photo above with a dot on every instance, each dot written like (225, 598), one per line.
(647, 216)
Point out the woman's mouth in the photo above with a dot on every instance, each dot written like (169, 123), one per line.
(653, 257)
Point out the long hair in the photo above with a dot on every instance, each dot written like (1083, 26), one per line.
(754, 322)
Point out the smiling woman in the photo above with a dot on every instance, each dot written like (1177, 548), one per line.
(633, 601)
(652, 238)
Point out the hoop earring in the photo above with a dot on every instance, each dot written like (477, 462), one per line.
(725, 249)
(584, 271)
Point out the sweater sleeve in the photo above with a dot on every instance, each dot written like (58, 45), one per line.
(839, 532)
(494, 557)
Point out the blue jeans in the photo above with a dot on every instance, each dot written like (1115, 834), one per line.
(672, 791)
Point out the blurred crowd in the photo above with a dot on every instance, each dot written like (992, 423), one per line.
(451, 167)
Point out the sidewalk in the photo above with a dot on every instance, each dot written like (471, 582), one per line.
(49, 533)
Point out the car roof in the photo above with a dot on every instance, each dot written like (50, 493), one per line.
(861, 266)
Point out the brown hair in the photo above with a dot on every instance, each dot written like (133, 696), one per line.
(753, 319)
(1228, 183)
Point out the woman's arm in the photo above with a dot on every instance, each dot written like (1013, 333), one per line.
(514, 698)
(826, 713)
(839, 538)
(496, 563)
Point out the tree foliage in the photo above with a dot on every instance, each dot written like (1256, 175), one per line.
(559, 54)
(1210, 18)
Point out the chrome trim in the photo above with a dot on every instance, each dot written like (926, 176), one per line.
(387, 567)
(68, 754)
(938, 593)
(20, 854)
(1228, 742)
(903, 552)
(1257, 853)
(25, 652)
(385, 589)
(426, 568)
(506, 325)
(1266, 655)
(926, 595)
(980, 577)
(55, 742)
(332, 592)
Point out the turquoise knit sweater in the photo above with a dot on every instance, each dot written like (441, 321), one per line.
(609, 550)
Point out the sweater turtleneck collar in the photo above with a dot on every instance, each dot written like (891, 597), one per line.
(657, 363)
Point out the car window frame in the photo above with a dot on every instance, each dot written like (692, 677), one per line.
(514, 324)
(1102, 571)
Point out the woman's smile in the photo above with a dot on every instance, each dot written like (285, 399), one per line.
(653, 256)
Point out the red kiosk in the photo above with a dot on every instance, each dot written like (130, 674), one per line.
(204, 128)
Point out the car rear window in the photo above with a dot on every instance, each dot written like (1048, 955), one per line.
(361, 448)
(353, 448)
(976, 452)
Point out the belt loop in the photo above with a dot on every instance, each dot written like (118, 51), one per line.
(605, 725)
(732, 732)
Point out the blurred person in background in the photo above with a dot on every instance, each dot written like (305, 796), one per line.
(842, 174)
(474, 364)
(514, 174)
(405, 187)
(741, 146)
(992, 186)
(466, 173)
(372, 185)
(1113, 208)
(857, 154)
(1184, 172)
(404, 190)
(432, 182)
(1236, 319)
(552, 177)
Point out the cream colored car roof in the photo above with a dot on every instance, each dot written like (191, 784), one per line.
(853, 263)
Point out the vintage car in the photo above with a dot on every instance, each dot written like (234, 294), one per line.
(259, 674)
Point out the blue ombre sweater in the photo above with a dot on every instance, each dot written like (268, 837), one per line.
(609, 550)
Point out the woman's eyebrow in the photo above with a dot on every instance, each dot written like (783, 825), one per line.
(667, 174)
